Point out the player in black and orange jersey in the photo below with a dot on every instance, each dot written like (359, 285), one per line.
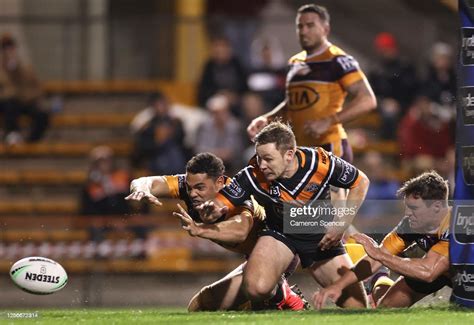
(236, 232)
(318, 81)
(426, 224)
(285, 176)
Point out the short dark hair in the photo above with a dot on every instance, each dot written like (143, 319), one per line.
(321, 11)
(278, 133)
(429, 186)
(206, 163)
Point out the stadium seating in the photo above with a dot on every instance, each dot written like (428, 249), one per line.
(39, 211)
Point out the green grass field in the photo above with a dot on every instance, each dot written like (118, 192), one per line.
(419, 315)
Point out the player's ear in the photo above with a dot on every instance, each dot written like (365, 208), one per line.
(327, 29)
(290, 154)
(437, 205)
(220, 181)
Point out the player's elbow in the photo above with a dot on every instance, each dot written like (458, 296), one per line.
(364, 182)
(430, 275)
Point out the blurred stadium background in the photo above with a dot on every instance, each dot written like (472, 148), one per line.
(99, 61)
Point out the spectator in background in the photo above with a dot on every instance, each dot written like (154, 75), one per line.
(106, 186)
(424, 136)
(252, 107)
(394, 83)
(158, 138)
(268, 71)
(441, 79)
(222, 134)
(20, 94)
(222, 73)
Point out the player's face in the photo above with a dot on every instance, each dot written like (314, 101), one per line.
(420, 215)
(311, 31)
(271, 161)
(202, 188)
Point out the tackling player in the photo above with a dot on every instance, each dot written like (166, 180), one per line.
(426, 224)
(237, 232)
(283, 174)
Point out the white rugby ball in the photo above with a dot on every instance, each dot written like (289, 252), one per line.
(38, 275)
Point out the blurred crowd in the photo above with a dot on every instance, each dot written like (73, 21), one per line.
(416, 109)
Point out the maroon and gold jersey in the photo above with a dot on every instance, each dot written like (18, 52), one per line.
(177, 190)
(316, 89)
(403, 236)
(318, 169)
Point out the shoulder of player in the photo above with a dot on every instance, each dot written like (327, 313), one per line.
(336, 51)
(318, 153)
(443, 231)
(298, 57)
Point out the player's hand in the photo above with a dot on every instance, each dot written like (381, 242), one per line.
(371, 247)
(138, 195)
(210, 212)
(332, 237)
(256, 126)
(187, 222)
(332, 292)
(316, 128)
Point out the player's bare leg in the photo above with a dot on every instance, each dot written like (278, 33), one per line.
(224, 294)
(400, 295)
(329, 271)
(267, 262)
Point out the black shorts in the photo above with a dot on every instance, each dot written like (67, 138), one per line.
(428, 287)
(308, 251)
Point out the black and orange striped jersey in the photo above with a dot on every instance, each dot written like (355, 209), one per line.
(315, 89)
(403, 236)
(250, 208)
(317, 170)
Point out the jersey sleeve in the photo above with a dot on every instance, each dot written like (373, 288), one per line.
(235, 193)
(393, 243)
(399, 238)
(176, 185)
(344, 174)
(347, 70)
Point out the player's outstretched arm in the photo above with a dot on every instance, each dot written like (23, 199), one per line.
(427, 269)
(361, 271)
(234, 230)
(148, 188)
(260, 122)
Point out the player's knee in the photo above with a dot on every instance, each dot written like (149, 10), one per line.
(203, 301)
(256, 289)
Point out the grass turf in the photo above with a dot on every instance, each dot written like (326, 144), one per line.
(417, 315)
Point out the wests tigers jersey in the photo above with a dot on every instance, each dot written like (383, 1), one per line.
(318, 169)
(315, 89)
(177, 189)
